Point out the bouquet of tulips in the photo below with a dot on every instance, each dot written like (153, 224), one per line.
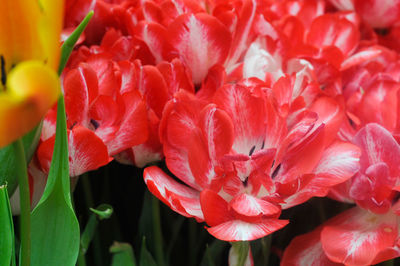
(272, 126)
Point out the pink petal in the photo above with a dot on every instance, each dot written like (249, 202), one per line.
(180, 198)
(339, 162)
(105, 113)
(341, 192)
(379, 103)
(217, 129)
(378, 14)
(152, 12)
(387, 254)
(249, 205)
(128, 76)
(215, 79)
(49, 124)
(151, 150)
(303, 124)
(343, 4)
(178, 163)
(201, 165)
(179, 119)
(357, 236)
(242, 34)
(248, 116)
(202, 42)
(133, 129)
(331, 114)
(329, 30)
(306, 250)
(259, 162)
(360, 57)
(262, 62)
(155, 36)
(176, 130)
(176, 76)
(80, 87)
(378, 145)
(106, 76)
(237, 230)
(302, 157)
(86, 151)
(215, 208)
(152, 86)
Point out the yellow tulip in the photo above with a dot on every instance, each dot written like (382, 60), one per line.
(29, 57)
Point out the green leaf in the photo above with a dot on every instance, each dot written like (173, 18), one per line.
(146, 219)
(241, 248)
(55, 229)
(213, 253)
(123, 255)
(69, 44)
(145, 257)
(176, 230)
(8, 159)
(260, 249)
(6, 229)
(103, 211)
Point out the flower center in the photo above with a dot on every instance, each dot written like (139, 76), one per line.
(3, 75)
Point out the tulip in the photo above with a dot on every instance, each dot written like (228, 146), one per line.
(29, 56)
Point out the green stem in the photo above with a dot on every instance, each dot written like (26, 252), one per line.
(158, 240)
(81, 260)
(266, 248)
(86, 237)
(242, 249)
(25, 204)
(87, 188)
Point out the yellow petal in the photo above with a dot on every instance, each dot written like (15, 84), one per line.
(30, 30)
(19, 22)
(50, 27)
(32, 88)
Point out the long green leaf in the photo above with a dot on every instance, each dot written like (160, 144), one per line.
(146, 259)
(55, 229)
(69, 44)
(240, 251)
(213, 253)
(104, 211)
(123, 255)
(6, 229)
(8, 160)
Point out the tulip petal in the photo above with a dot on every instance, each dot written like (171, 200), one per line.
(378, 145)
(306, 250)
(51, 23)
(248, 116)
(86, 151)
(214, 207)
(31, 30)
(249, 205)
(357, 236)
(180, 198)
(237, 230)
(202, 42)
(32, 88)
